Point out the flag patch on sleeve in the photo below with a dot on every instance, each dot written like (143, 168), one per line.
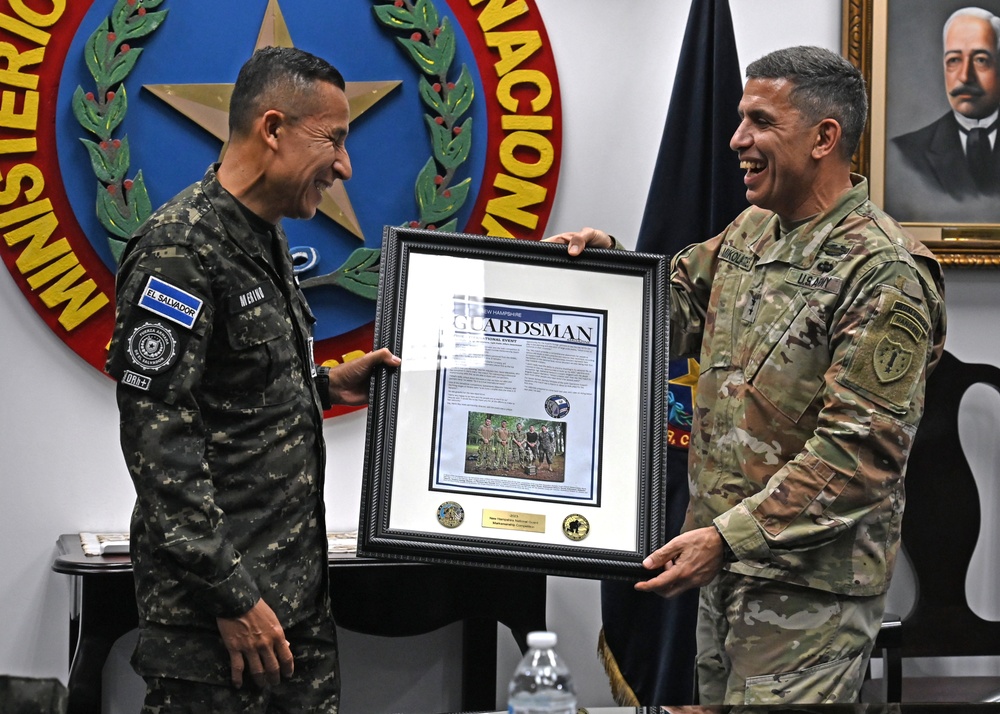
(170, 302)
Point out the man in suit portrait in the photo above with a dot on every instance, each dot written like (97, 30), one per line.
(950, 168)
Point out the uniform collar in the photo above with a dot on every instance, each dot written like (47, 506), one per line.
(800, 246)
(242, 228)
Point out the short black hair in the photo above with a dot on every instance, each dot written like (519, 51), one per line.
(275, 76)
(826, 86)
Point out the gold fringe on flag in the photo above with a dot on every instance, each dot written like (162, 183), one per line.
(620, 689)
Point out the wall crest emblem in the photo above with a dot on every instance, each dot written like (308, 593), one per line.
(110, 107)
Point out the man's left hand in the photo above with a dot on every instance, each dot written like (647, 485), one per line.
(349, 381)
(690, 560)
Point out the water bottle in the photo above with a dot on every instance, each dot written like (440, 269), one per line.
(541, 683)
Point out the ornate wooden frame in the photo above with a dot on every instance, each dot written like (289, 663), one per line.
(865, 30)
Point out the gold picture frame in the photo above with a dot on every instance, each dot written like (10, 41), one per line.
(868, 44)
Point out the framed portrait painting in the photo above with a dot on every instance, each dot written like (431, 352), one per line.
(524, 428)
(930, 150)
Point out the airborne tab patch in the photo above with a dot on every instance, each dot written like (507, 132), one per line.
(170, 302)
(910, 319)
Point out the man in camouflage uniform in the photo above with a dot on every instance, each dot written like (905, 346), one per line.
(487, 458)
(222, 411)
(503, 446)
(816, 319)
(520, 446)
(546, 447)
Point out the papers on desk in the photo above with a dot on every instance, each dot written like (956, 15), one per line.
(117, 543)
(343, 542)
(104, 543)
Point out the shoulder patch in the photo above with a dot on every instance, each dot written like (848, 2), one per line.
(138, 381)
(888, 357)
(170, 302)
(152, 347)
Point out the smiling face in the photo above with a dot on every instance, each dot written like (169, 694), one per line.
(775, 145)
(310, 153)
(970, 67)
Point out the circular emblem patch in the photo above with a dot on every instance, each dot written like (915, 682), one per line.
(576, 527)
(557, 406)
(152, 347)
(450, 514)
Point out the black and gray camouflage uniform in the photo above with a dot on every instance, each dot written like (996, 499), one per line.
(221, 428)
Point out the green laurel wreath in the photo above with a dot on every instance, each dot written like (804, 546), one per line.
(431, 46)
(122, 204)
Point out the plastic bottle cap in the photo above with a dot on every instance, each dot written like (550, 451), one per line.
(542, 640)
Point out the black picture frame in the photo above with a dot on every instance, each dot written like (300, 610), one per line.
(518, 521)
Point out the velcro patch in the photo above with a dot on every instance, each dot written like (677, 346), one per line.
(138, 381)
(152, 347)
(262, 292)
(745, 261)
(908, 318)
(888, 357)
(170, 302)
(826, 283)
(892, 360)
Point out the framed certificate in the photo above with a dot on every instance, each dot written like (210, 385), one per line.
(525, 427)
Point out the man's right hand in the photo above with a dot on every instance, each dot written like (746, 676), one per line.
(256, 641)
(578, 240)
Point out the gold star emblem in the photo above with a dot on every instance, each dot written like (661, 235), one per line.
(207, 105)
(690, 379)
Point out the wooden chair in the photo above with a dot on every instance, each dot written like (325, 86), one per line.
(941, 526)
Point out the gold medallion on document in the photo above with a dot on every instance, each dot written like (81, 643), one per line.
(450, 514)
(576, 527)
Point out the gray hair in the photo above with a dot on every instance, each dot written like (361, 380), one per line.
(977, 12)
(827, 86)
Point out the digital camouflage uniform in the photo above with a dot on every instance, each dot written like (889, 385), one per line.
(221, 428)
(547, 447)
(814, 348)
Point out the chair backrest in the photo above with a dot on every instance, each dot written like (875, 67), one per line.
(941, 523)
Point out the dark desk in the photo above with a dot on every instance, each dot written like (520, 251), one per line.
(370, 596)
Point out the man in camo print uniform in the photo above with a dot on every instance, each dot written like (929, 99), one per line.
(222, 410)
(816, 320)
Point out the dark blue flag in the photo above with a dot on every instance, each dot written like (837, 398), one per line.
(647, 643)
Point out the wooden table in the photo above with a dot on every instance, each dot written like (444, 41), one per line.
(371, 596)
